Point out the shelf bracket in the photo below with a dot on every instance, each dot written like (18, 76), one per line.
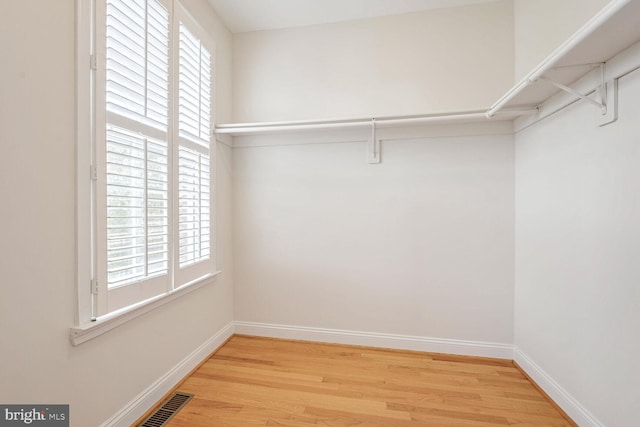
(601, 105)
(608, 91)
(373, 146)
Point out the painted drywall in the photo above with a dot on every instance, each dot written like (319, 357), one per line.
(433, 61)
(577, 246)
(543, 25)
(421, 244)
(37, 246)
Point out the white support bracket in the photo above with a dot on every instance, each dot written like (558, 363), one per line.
(610, 95)
(601, 105)
(608, 90)
(373, 146)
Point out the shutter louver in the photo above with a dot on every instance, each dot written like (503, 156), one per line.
(137, 153)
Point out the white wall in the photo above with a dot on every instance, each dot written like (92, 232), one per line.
(543, 25)
(37, 246)
(433, 61)
(577, 262)
(421, 244)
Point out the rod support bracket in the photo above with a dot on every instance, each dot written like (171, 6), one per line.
(610, 96)
(600, 105)
(373, 146)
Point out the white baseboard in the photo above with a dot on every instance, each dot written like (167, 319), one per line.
(149, 397)
(556, 392)
(400, 342)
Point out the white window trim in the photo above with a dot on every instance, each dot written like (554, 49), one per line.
(86, 327)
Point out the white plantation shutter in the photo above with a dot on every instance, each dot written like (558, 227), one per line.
(137, 60)
(194, 88)
(137, 207)
(194, 134)
(153, 152)
(134, 196)
(195, 200)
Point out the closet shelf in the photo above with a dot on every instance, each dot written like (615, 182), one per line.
(615, 28)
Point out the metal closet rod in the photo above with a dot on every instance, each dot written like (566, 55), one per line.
(380, 122)
(578, 37)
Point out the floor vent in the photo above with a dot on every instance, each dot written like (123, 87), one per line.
(168, 409)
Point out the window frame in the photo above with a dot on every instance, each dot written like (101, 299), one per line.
(88, 326)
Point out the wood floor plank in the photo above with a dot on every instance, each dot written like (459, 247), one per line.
(255, 381)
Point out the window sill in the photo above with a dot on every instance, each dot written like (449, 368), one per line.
(86, 332)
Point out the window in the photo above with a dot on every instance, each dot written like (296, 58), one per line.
(152, 167)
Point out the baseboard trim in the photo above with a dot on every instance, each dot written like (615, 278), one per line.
(130, 413)
(561, 397)
(370, 339)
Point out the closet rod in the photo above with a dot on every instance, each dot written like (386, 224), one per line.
(578, 37)
(380, 122)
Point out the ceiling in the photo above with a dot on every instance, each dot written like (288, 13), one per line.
(253, 15)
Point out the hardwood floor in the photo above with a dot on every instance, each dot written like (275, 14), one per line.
(265, 382)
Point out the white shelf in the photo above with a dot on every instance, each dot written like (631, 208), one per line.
(614, 29)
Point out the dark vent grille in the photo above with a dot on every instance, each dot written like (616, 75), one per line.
(168, 409)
